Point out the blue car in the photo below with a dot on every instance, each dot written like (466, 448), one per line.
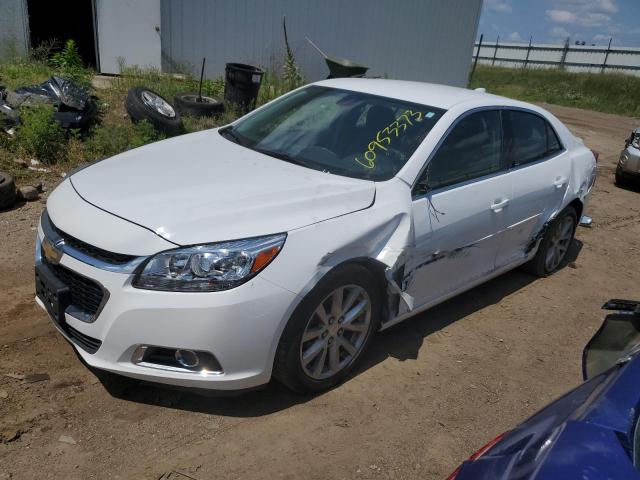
(592, 432)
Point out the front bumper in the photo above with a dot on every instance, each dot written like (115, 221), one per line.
(240, 327)
(629, 163)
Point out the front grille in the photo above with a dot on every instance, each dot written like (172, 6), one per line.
(94, 252)
(86, 342)
(86, 295)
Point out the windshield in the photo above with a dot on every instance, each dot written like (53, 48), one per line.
(339, 131)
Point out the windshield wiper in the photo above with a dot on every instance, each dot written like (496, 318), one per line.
(282, 156)
(228, 132)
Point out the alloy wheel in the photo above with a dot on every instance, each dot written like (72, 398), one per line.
(158, 103)
(336, 332)
(559, 243)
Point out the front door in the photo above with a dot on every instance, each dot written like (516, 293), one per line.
(459, 207)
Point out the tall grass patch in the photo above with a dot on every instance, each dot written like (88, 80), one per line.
(603, 92)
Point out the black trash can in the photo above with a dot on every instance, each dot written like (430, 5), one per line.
(241, 86)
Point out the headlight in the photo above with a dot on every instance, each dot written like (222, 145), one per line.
(623, 159)
(209, 268)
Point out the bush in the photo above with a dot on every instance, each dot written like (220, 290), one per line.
(40, 135)
(111, 139)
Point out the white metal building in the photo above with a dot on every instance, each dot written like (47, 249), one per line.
(430, 40)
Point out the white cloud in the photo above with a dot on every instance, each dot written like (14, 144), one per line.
(603, 6)
(582, 19)
(500, 6)
(559, 34)
(514, 37)
(601, 38)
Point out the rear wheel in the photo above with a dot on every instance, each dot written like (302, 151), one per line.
(555, 244)
(329, 331)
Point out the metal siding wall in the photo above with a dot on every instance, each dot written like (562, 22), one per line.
(512, 55)
(429, 40)
(14, 27)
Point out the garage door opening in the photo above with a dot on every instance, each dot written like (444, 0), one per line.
(62, 21)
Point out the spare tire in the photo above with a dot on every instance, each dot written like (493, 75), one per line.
(145, 104)
(7, 191)
(191, 104)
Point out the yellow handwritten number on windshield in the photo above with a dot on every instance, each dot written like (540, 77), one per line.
(384, 136)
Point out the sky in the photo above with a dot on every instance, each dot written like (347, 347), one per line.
(552, 21)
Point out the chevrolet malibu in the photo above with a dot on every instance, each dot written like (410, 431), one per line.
(278, 245)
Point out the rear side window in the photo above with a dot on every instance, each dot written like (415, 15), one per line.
(553, 144)
(471, 150)
(527, 138)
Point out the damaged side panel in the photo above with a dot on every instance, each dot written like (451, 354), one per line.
(382, 234)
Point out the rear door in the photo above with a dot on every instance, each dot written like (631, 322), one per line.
(459, 207)
(540, 171)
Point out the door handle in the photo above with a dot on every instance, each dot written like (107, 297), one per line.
(559, 182)
(498, 205)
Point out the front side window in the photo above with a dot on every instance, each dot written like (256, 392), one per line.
(471, 150)
(339, 131)
(527, 137)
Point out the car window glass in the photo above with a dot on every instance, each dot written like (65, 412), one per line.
(525, 137)
(471, 150)
(552, 140)
(339, 131)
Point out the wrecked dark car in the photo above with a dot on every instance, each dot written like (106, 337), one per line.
(74, 107)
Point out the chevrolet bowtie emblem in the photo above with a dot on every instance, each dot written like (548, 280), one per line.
(52, 252)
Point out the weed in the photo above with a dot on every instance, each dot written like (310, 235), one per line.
(291, 74)
(40, 135)
(603, 92)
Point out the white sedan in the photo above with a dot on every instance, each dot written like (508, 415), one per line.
(278, 245)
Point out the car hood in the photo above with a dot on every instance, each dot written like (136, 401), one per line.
(202, 188)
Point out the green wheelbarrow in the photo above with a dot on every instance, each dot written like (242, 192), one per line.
(340, 67)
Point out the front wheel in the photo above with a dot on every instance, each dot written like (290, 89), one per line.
(329, 331)
(555, 244)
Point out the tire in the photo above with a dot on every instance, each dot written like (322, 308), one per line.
(188, 104)
(539, 265)
(288, 365)
(138, 110)
(7, 191)
(621, 181)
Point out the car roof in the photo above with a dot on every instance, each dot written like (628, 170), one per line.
(432, 94)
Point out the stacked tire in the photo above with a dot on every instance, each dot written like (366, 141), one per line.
(194, 105)
(7, 191)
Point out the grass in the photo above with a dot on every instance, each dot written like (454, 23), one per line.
(606, 92)
(113, 132)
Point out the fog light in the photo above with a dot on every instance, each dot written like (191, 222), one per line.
(177, 360)
(187, 358)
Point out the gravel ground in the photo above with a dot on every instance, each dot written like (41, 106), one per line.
(430, 392)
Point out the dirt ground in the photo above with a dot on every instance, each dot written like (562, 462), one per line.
(430, 392)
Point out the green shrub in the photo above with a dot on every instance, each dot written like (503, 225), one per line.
(40, 135)
(107, 140)
(67, 58)
(68, 64)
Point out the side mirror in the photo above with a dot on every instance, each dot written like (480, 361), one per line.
(617, 339)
